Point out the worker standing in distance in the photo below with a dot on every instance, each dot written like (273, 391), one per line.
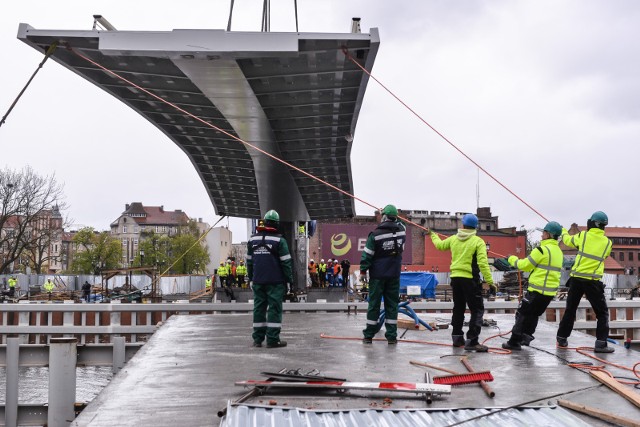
(12, 285)
(207, 284)
(241, 272)
(322, 272)
(467, 251)
(545, 265)
(382, 257)
(586, 279)
(270, 272)
(48, 287)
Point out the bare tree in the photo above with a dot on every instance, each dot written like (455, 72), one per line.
(26, 200)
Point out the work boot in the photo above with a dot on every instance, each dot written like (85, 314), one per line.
(366, 340)
(601, 347)
(511, 345)
(477, 347)
(276, 344)
(562, 342)
(526, 339)
(458, 340)
(392, 341)
(257, 344)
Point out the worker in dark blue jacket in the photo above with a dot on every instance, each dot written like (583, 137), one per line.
(269, 268)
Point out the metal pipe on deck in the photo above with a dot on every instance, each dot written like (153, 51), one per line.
(11, 399)
(62, 381)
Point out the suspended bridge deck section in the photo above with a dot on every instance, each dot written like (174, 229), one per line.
(186, 373)
(296, 96)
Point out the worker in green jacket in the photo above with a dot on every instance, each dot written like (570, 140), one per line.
(545, 265)
(270, 271)
(12, 285)
(241, 272)
(585, 279)
(382, 258)
(468, 254)
(48, 287)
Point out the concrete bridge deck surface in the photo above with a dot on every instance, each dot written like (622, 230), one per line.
(186, 372)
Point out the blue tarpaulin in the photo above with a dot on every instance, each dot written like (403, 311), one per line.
(426, 281)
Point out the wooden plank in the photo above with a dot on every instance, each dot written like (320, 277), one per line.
(616, 386)
(410, 324)
(599, 414)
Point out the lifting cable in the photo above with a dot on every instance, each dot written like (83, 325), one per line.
(47, 54)
(348, 55)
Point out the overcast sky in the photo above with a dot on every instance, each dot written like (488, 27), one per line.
(544, 94)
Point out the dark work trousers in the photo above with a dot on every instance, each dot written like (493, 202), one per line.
(267, 312)
(390, 290)
(467, 293)
(533, 304)
(594, 291)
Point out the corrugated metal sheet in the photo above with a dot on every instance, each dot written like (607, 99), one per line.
(259, 416)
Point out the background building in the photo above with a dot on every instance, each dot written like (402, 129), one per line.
(346, 238)
(138, 219)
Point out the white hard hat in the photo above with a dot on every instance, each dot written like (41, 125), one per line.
(322, 260)
(311, 260)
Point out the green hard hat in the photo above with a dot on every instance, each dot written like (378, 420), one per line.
(390, 210)
(553, 228)
(600, 218)
(272, 216)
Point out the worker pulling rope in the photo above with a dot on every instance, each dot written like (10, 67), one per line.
(47, 54)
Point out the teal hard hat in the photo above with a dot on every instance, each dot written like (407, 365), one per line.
(272, 216)
(390, 210)
(553, 228)
(600, 218)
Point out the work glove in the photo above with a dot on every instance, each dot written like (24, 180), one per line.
(251, 284)
(288, 287)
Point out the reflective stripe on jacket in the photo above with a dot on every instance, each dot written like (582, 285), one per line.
(545, 265)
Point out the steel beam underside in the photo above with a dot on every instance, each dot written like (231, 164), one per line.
(294, 95)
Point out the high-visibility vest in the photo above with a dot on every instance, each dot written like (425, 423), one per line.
(313, 268)
(222, 271)
(322, 267)
(545, 265)
(241, 270)
(48, 286)
(12, 283)
(207, 283)
(593, 248)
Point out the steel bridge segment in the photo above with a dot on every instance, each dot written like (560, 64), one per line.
(295, 95)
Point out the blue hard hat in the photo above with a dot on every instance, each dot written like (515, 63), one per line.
(470, 220)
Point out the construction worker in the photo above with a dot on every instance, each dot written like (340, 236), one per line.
(382, 258)
(270, 272)
(207, 283)
(345, 266)
(545, 265)
(48, 287)
(322, 272)
(86, 291)
(468, 256)
(223, 274)
(337, 278)
(12, 285)
(313, 273)
(330, 273)
(241, 271)
(585, 279)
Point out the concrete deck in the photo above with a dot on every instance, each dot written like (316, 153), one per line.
(186, 372)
